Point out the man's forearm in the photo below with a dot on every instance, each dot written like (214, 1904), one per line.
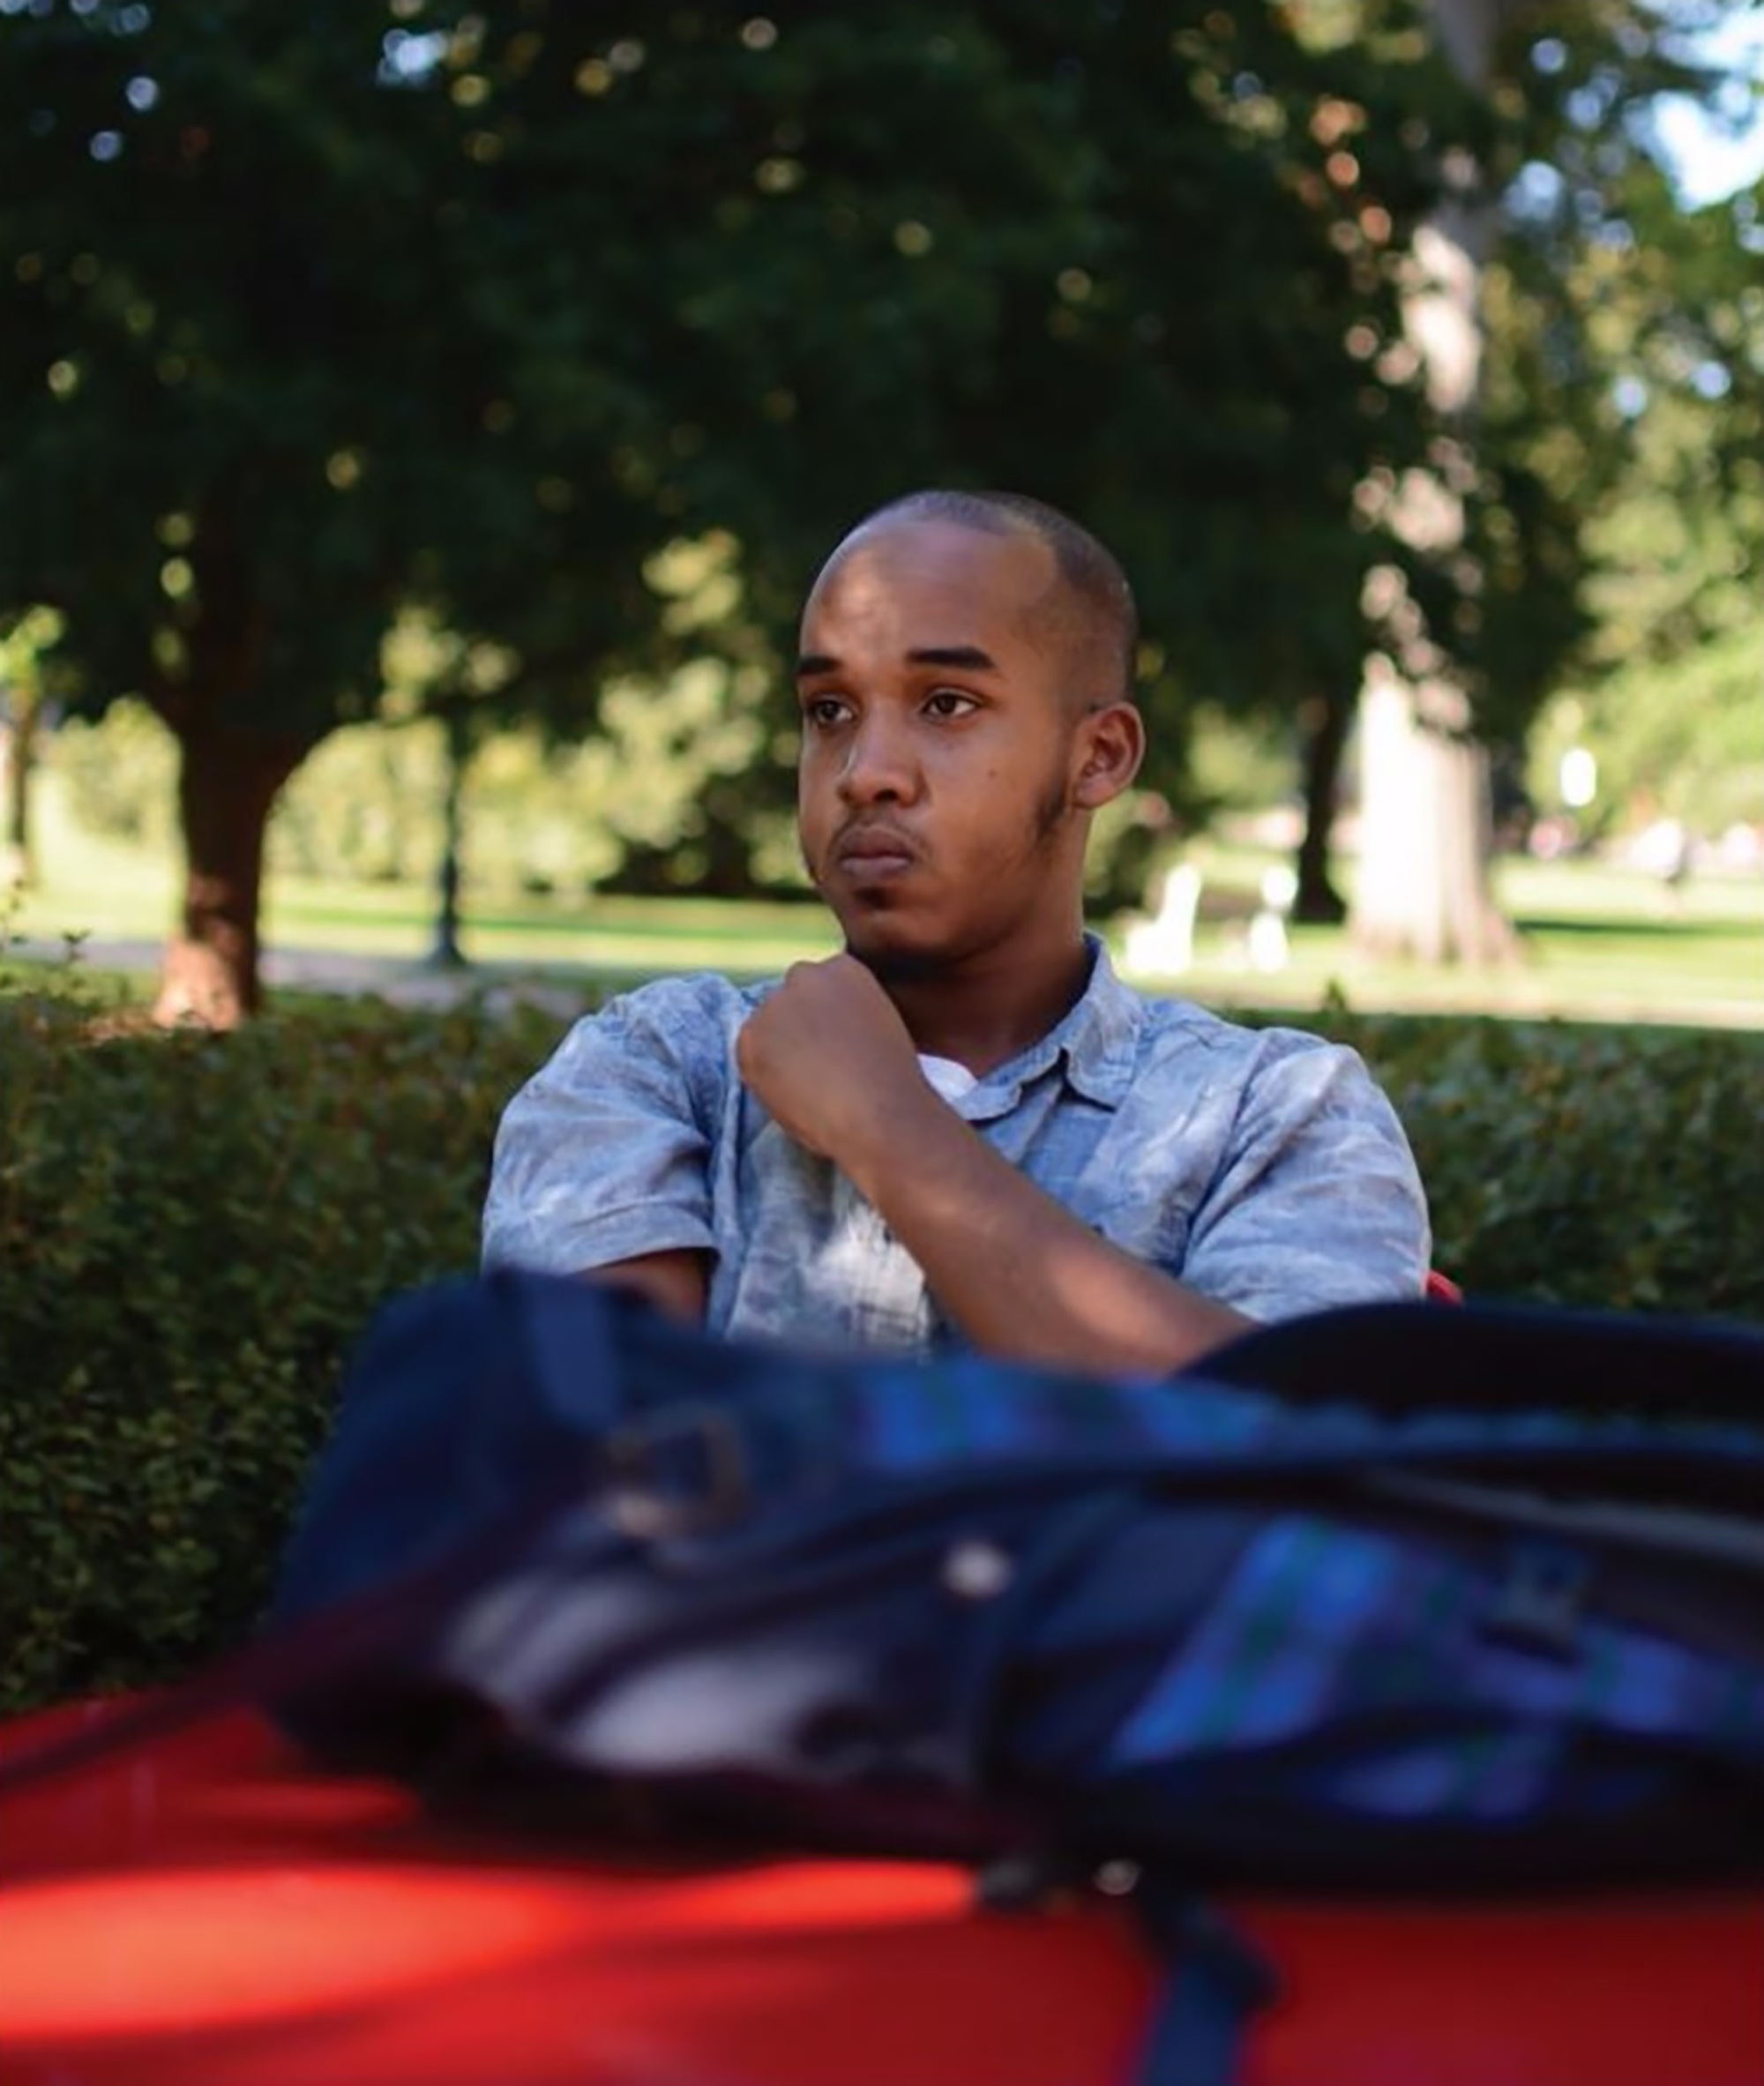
(1017, 1272)
(675, 1282)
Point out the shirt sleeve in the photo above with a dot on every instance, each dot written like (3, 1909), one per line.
(1317, 1201)
(604, 1154)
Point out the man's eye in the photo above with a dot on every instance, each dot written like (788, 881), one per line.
(825, 711)
(949, 702)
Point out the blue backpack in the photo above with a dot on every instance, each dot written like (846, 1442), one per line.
(1392, 1599)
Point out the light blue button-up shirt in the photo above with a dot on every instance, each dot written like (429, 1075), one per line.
(1261, 1167)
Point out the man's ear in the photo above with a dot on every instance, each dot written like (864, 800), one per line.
(1110, 742)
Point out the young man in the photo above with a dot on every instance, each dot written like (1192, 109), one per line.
(964, 1128)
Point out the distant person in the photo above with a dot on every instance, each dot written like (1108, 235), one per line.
(964, 1129)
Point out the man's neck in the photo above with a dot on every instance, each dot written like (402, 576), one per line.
(983, 1014)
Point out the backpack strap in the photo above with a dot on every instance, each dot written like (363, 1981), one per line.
(1217, 1981)
(1214, 1979)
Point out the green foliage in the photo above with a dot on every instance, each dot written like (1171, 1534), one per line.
(1600, 290)
(1614, 1168)
(119, 774)
(315, 318)
(1621, 408)
(194, 1230)
(1666, 691)
(311, 319)
(538, 815)
(366, 805)
(1681, 739)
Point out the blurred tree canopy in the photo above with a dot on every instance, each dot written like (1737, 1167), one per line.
(312, 316)
(1604, 295)
(1627, 388)
(1566, 257)
(1667, 683)
(572, 334)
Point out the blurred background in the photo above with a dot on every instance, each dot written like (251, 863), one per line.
(418, 423)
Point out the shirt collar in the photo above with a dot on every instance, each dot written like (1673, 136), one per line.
(1098, 1039)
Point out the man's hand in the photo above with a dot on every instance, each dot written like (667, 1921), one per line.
(831, 1059)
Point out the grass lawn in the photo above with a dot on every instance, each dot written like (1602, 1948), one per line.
(1599, 942)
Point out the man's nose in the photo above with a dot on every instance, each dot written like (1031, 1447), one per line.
(880, 766)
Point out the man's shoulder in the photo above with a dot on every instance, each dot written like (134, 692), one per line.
(1266, 1067)
(688, 1020)
(684, 1000)
(1169, 1027)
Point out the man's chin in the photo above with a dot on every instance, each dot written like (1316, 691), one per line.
(890, 951)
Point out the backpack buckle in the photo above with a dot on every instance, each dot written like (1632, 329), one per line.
(679, 1472)
(1540, 1606)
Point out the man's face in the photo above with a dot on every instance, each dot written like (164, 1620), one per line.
(939, 747)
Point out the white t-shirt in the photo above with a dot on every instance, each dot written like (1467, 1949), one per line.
(951, 1079)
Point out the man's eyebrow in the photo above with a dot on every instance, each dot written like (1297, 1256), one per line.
(959, 658)
(962, 658)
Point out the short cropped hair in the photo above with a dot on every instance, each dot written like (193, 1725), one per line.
(1096, 623)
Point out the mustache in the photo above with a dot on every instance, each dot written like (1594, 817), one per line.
(874, 836)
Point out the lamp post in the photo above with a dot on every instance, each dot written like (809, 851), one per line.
(445, 953)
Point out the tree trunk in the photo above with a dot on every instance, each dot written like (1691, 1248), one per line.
(17, 752)
(1425, 833)
(1426, 836)
(1325, 721)
(227, 783)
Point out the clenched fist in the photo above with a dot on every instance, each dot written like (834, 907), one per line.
(830, 1056)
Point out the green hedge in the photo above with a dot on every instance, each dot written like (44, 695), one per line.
(193, 1231)
(1621, 1168)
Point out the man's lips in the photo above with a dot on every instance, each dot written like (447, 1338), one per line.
(873, 853)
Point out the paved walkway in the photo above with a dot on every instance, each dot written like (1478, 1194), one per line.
(399, 979)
